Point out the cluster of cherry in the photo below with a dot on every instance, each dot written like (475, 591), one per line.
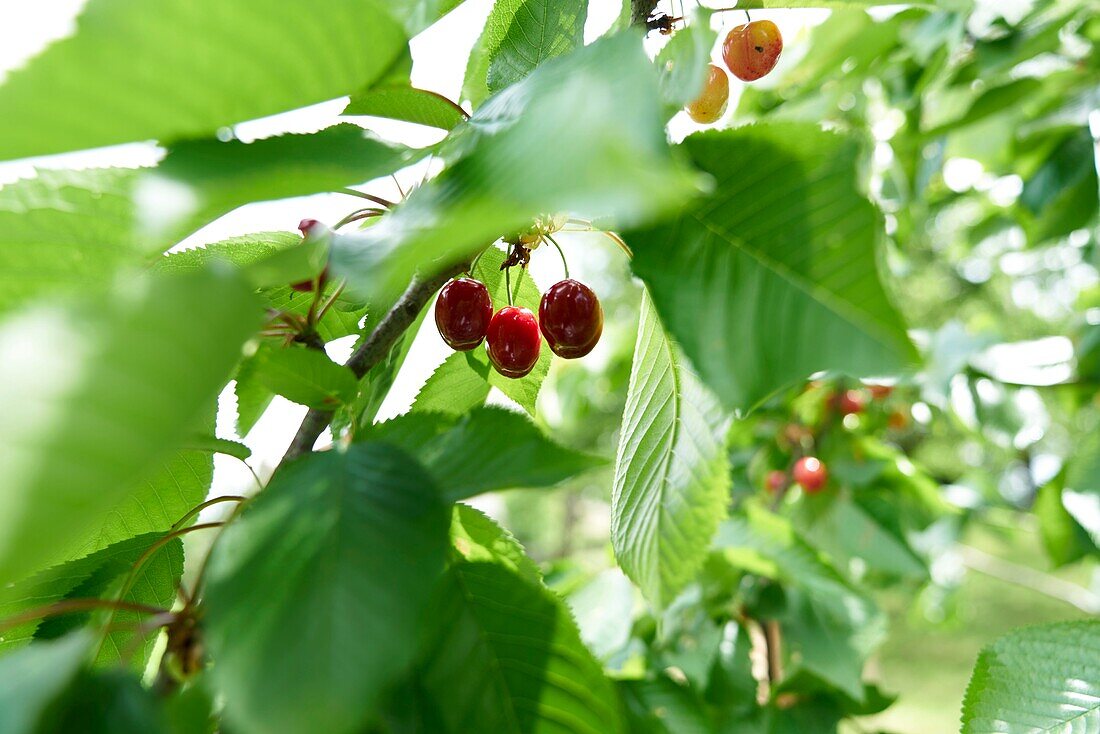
(570, 318)
(750, 51)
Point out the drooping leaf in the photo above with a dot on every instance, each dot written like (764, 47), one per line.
(182, 69)
(405, 102)
(203, 179)
(486, 449)
(1037, 679)
(671, 476)
(554, 142)
(304, 376)
(32, 678)
(847, 532)
(785, 245)
(111, 384)
(662, 706)
(314, 596)
(64, 231)
(509, 659)
(476, 537)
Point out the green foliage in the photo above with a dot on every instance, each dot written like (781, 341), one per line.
(74, 382)
(203, 65)
(509, 659)
(32, 678)
(671, 476)
(315, 595)
(1037, 679)
(485, 449)
(407, 103)
(305, 376)
(787, 247)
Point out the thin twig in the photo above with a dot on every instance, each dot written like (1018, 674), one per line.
(369, 197)
(70, 606)
(1029, 578)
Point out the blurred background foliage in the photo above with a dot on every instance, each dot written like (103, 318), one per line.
(966, 497)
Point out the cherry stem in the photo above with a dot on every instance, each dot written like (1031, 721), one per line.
(473, 265)
(70, 606)
(398, 185)
(748, 18)
(331, 300)
(564, 264)
(128, 583)
(508, 283)
(369, 197)
(359, 214)
(200, 507)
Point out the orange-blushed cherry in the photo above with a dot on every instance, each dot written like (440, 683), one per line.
(571, 318)
(880, 392)
(513, 341)
(752, 50)
(775, 480)
(711, 102)
(810, 474)
(462, 313)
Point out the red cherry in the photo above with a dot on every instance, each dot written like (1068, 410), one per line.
(571, 318)
(751, 51)
(513, 341)
(462, 313)
(775, 480)
(810, 474)
(711, 102)
(307, 224)
(849, 402)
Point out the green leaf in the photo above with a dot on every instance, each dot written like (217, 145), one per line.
(204, 179)
(684, 59)
(509, 660)
(662, 706)
(252, 397)
(111, 702)
(64, 231)
(32, 678)
(477, 538)
(535, 30)
(518, 35)
(110, 385)
(154, 584)
(216, 445)
(1063, 537)
(416, 15)
(407, 103)
(671, 474)
(485, 450)
(203, 65)
(1037, 679)
(305, 376)
(785, 245)
(172, 487)
(95, 570)
(554, 142)
(829, 627)
(326, 575)
(847, 532)
(456, 387)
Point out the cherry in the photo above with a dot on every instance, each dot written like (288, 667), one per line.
(751, 51)
(810, 474)
(711, 102)
(880, 392)
(849, 402)
(513, 341)
(897, 420)
(571, 318)
(462, 313)
(775, 480)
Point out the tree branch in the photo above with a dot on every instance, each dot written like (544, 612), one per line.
(375, 349)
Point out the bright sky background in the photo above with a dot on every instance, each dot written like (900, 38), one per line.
(439, 64)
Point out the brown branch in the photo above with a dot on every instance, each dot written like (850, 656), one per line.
(375, 349)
